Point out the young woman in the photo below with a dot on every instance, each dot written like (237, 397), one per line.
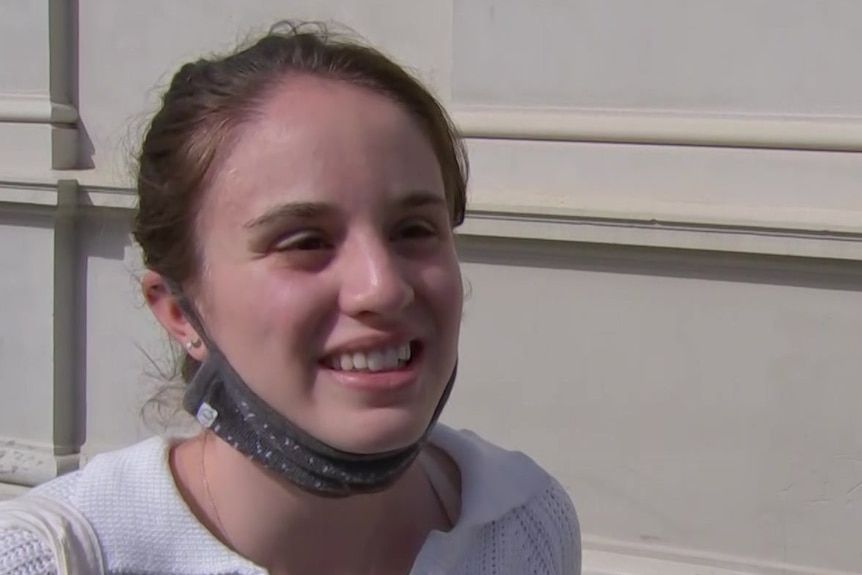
(297, 205)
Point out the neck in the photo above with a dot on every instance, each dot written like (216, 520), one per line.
(278, 526)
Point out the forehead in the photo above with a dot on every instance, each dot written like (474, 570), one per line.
(325, 141)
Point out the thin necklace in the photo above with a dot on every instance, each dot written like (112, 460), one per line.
(212, 504)
(207, 490)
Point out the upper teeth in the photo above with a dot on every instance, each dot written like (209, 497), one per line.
(375, 360)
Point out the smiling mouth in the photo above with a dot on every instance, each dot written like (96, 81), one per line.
(389, 358)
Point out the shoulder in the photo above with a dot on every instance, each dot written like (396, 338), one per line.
(548, 529)
(109, 480)
(518, 507)
(22, 551)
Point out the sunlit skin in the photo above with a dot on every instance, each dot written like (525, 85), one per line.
(325, 230)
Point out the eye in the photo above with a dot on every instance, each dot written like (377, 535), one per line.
(415, 230)
(303, 241)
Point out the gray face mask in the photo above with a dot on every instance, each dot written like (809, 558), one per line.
(222, 402)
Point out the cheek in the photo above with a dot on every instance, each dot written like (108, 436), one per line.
(259, 308)
(445, 291)
(294, 309)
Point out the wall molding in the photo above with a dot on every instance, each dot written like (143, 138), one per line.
(736, 229)
(794, 232)
(827, 133)
(21, 192)
(607, 557)
(23, 461)
(8, 491)
(30, 464)
(548, 124)
(35, 109)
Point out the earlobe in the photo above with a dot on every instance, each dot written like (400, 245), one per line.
(193, 344)
(167, 311)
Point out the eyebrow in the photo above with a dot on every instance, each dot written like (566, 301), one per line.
(420, 199)
(294, 210)
(317, 210)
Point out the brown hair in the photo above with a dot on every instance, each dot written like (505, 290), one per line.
(208, 99)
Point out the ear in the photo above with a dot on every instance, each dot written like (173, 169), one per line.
(164, 306)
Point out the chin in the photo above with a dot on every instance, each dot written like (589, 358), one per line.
(377, 431)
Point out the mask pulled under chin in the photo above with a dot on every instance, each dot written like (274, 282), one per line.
(222, 402)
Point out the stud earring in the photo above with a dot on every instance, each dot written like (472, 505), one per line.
(193, 344)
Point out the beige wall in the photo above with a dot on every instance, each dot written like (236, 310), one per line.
(665, 251)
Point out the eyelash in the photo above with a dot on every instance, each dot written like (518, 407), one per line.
(426, 230)
(301, 241)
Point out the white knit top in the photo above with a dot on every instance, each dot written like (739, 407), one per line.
(515, 518)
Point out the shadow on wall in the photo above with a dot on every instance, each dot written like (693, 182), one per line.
(24, 216)
(675, 263)
(85, 143)
(56, 271)
(70, 52)
(102, 235)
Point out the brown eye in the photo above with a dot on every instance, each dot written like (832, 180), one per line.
(415, 230)
(302, 242)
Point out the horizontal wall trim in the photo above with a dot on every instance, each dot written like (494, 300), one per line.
(29, 194)
(608, 557)
(8, 491)
(741, 230)
(677, 129)
(36, 109)
(800, 232)
(28, 465)
(738, 229)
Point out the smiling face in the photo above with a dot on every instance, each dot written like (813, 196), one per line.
(330, 279)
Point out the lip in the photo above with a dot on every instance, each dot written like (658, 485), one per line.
(380, 381)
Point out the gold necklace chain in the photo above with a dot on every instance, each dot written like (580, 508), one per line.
(212, 504)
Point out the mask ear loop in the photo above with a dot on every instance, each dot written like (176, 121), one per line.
(197, 389)
(188, 309)
(196, 393)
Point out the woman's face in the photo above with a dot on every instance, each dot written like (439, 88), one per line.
(330, 278)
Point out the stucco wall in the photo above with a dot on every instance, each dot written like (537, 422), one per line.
(664, 251)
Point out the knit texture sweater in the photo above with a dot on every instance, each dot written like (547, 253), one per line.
(515, 518)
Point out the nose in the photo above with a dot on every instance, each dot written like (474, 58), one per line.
(373, 281)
